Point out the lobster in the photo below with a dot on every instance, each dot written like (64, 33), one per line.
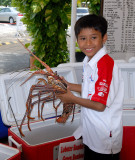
(46, 90)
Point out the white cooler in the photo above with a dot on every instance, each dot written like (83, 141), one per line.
(45, 136)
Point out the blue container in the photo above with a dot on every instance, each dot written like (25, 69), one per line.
(3, 129)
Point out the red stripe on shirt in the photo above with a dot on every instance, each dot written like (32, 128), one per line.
(102, 85)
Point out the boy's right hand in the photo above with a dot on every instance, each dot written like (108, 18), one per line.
(66, 97)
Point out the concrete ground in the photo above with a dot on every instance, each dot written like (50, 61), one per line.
(13, 57)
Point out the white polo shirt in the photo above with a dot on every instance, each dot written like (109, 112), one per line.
(102, 82)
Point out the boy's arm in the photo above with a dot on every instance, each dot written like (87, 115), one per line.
(88, 103)
(75, 87)
(69, 97)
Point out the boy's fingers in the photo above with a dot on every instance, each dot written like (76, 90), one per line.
(68, 88)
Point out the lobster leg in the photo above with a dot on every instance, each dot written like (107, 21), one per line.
(42, 80)
(20, 128)
(39, 104)
(42, 110)
(57, 108)
(47, 99)
(36, 72)
(26, 113)
(73, 112)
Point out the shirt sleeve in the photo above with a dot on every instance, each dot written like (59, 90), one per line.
(105, 75)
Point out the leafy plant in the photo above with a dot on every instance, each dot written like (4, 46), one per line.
(5, 2)
(94, 6)
(47, 21)
(77, 49)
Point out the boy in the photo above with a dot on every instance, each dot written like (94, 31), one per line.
(102, 92)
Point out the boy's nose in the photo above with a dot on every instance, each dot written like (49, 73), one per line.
(88, 42)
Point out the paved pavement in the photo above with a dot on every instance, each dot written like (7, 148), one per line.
(13, 57)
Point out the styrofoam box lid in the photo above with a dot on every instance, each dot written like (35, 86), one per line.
(78, 67)
(7, 152)
(10, 85)
(128, 74)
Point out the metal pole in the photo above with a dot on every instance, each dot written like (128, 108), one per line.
(101, 7)
(73, 39)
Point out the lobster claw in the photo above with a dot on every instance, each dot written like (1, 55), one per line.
(63, 118)
(67, 109)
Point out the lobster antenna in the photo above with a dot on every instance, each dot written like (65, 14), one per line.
(43, 63)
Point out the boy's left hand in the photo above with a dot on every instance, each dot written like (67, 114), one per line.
(66, 97)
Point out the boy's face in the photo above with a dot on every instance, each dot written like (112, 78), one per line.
(90, 41)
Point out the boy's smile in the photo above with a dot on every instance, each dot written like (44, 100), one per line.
(90, 41)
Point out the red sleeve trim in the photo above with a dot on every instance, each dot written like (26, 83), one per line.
(105, 72)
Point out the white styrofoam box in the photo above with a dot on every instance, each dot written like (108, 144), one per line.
(120, 61)
(78, 67)
(7, 152)
(47, 130)
(128, 117)
(128, 73)
(131, 60)
(10, 85)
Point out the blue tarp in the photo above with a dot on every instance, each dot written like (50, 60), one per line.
(3, 129)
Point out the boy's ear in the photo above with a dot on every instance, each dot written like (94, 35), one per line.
(105, 38)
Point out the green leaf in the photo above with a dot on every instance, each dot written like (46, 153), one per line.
(43, 3)
(53, 27)
(36, 7)
(55, 1)
(27, 45)
(33, 15)
(48, 12)
(64, 17)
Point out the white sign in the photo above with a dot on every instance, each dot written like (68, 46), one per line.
(120, 15)
(71, 150)
(20, 27)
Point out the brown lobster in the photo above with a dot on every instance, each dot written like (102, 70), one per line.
(45, 90)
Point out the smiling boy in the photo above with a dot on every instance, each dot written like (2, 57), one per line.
(102, 93)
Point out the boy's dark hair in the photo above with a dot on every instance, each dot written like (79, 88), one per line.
(99, 23)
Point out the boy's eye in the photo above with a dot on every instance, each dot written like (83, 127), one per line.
(94, 37)
(83, 38)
